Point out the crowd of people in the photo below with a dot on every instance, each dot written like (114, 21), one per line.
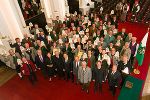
(82, 48)
(30, 8)
(125, 10)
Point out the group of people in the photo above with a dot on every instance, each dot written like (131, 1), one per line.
(30, 8)
(125, 10)
(82, 48)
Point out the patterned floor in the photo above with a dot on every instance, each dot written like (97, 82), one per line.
(6, 74)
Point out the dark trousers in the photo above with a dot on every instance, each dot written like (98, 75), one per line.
(75, 79)
(44, 72)
(85, 86)
(93, 74)
(18, 68)
(105, 73)
(97, 87)
(32, 77)
(50, 71)
(113, 90)
(132, 59)
(68, 75)
(60, 73)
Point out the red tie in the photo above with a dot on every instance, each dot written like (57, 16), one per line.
(89, 63)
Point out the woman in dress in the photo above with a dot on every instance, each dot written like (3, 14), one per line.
(49, 66)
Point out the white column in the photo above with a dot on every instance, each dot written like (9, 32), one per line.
(59, 8)
(53, 8)
(13, 19)
(47, 10)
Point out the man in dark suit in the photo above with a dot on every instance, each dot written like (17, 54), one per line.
(67, 49)
(68, 67)
(18, 45)
(57, 23)
(58, 63)
(40, 63)
(76, 64)
(54, 36)
(114, 21)
(98, 77)
(98, 53)
(133, 47)
(28, 69)
(91, 63)
(114, 78)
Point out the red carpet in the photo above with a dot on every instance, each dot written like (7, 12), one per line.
(16, 89)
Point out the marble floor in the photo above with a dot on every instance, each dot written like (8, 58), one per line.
(146, 90)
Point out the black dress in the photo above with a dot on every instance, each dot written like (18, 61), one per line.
(49, 66)
(58, 64)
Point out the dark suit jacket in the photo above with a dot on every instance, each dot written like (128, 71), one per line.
(98, 75)
(58, 62)
(114, 79)
(75, 69)
(68, 66)
(49, 61)
(17, 47)
(39, 63)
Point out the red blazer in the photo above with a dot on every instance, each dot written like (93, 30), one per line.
(26, 69)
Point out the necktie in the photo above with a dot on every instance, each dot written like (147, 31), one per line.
(41, 58)
(89, 63)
